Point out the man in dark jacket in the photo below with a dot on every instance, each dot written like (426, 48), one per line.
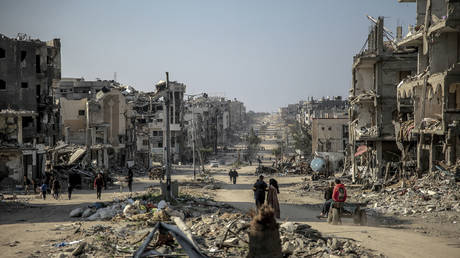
(259, 188)
(328, 198)
(98, 185)
(130, 180)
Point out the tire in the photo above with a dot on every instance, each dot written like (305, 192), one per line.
(335, 216)
(363, 221)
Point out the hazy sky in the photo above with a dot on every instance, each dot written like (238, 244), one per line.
(266, 53)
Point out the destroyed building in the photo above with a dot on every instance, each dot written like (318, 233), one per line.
(150, 124)
(377, 70)
(329, 134)
(96, 115)
(330, 107)
(210, 123)
(429, 101)
(28, 116)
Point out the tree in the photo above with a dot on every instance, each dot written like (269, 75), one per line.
(252, 144)
(302, 138)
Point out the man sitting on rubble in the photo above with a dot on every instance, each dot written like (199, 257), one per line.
(328, 198)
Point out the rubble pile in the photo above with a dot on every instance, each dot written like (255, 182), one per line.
(435, 192)
(219, 230)
(226, 235)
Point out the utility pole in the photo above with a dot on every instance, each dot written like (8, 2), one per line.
(168, 141)
(193, 142)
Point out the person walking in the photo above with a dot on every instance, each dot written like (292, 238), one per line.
(98, 185)
(230, 174)
(130, 180)
(56, 187)
(69, 186)
(272, 196)
(27, 184)
(259, 188)
(44, 188)
(235, 175)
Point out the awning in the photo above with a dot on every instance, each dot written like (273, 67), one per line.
(361, 149)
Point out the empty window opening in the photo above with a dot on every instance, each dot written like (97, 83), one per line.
(403, 75)
(145, 142)
(37, 64)
(2, 53)
(81, 112)
(329, 128)
(38, 90)
(160, 145)
(23, 55)
(24, 85)
(2, 85)
(27, 121)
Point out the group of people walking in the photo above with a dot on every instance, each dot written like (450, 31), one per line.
(272, 190)
(51, 184)
(336, 192)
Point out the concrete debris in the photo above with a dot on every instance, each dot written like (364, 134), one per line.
(433, 193)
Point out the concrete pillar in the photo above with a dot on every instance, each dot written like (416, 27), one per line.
(379, 159)
(110, 131)
(106, 159)
(420, 152)
(99, 158)
(93, 136)
(450, 154)
(66, 134)
(432, 154)
(20, 141)
(106, 135)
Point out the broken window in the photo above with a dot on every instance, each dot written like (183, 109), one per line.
(24, 85)
(155, 133)
(2, 53)
(38, 91)
(27, 121)
(160, 145)
(145, 142)
(37, 64)
(81, 112)
(403, 75)
(454, 96)
(2, 85)
(23, 55)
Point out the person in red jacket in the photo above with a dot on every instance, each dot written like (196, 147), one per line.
(98, 184)
(340, 193)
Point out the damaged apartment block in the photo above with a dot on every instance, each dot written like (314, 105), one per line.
(95, 116)
(28, 117)
(377, 70)
(429, 102)
(150, 124)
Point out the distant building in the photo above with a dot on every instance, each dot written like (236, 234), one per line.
(329, 134)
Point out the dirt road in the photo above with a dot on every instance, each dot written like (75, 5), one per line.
(390, 242)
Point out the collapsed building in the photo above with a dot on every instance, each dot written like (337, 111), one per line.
(95, 114)
(28, 117)
(150, 125)
(377, 70)
(429, 101)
